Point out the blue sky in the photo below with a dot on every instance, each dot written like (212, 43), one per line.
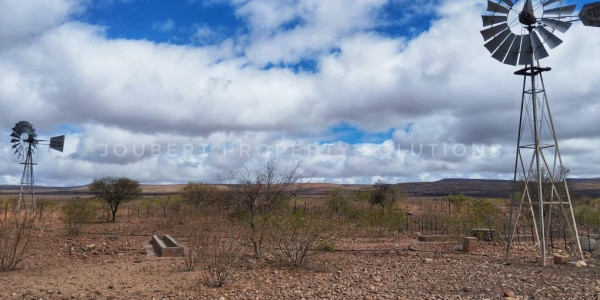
(178, 21)
(162, 21)
(356, 91)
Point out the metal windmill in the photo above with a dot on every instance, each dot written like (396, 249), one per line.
(24, 144)
(517, 33)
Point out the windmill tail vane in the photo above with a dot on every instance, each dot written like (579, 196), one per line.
(520, 33)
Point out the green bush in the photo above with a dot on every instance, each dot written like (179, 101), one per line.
(338, 202)
(381, 221)
(78, 212)
(296, 236)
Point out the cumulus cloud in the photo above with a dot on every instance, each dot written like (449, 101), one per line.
(159, 112)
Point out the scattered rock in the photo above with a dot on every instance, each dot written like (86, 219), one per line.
(580, 263)
(427, 260)
(509, 293)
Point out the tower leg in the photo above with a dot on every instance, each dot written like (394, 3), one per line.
(534, 177)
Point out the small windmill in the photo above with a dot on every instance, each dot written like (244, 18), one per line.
(24, 144)
(517, 33)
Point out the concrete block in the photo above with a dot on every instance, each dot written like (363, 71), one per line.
(469, 244)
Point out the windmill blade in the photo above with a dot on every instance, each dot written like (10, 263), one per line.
(494, 43)
(561, 26)
(539, 51)
(563, 10)
(57, 143)
(15, 145)
(500, 54)
(549, 38)
(513, 53)
(497, 8)
(15, 140)
(15, 135)
(491, 20)
(549, 2)
(492, 31)
(525, 54)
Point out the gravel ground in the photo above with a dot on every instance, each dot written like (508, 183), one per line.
(110, 261)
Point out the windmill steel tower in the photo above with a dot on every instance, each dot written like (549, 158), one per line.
(517, 33)
(24, 143)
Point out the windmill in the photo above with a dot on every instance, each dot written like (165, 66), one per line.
(24, 144)
(517, 33)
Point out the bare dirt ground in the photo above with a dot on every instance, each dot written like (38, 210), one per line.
(111, 261)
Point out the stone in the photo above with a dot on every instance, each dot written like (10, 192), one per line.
(561, 259)
(427, 260)
(509, 293)
(580, 263)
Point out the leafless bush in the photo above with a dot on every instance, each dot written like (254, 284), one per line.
(216, 248)
(15, 238)
(191, 254)
(296, 236)
(220, 255)
(255, 195)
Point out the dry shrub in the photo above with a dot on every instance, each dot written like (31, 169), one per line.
(220, 255)
(216, 248)
(78, 212)
(297, 236)
(15, 238)
(191, 254)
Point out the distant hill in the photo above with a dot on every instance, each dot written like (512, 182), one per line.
(483, 188)
(487, 188)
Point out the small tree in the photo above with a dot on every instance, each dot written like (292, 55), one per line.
(115, 191)
(255, 195)
(384, 195)
(197, 194)
(458, 201)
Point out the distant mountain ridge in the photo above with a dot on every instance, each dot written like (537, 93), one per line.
(490, 188)
(481, 188)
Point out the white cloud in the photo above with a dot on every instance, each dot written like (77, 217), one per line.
(132, 95)
(21, 20)
(167, 25)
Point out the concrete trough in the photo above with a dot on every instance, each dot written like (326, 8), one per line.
(166, 246)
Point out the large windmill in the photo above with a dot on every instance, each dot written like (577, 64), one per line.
(517, 33)
(24, 144)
